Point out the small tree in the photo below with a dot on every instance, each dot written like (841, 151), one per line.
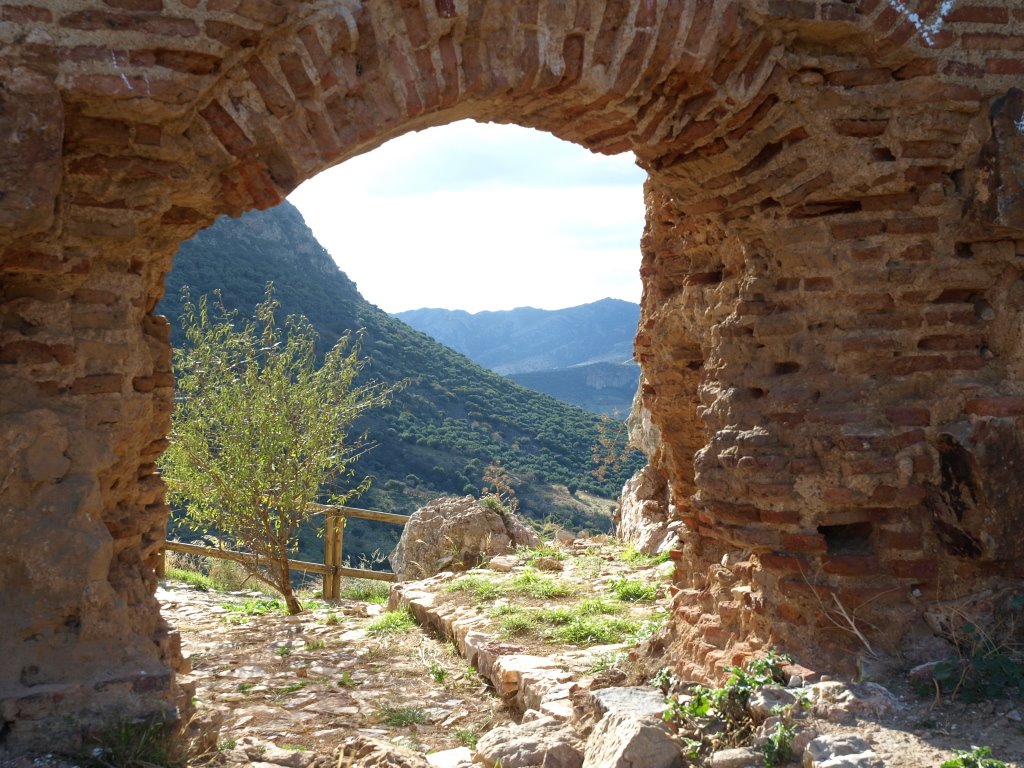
(259, 432)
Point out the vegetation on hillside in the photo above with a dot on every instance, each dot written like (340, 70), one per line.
(451, 420)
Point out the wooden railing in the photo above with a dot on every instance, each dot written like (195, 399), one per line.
(334, 535)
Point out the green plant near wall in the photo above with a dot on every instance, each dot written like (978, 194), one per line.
(975, 757)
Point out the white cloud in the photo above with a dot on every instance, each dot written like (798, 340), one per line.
(481, 217)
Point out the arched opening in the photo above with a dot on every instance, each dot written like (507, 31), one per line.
(816, 170)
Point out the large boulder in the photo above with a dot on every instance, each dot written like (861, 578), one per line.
(453, 533)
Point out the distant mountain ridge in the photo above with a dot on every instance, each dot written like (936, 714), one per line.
(582, 355)
(524, 340)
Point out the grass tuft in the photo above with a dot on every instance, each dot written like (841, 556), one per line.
(391, 623)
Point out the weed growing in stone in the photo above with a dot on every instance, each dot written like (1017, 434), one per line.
(728, 705)
(283, 651)
(467, 737)
(605, 662)
(314, 645)
(131, 744)
(976, 757)
(778, 749)
(345, 680)
(391, 623)
(245, 687)
(399, 717)
(633, 590)
(632, 556)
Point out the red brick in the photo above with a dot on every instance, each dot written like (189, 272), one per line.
(917, 226)
(33, 352)
(804, 542)
(909, 417)
(992, 41)
(857, 229)
(136, 5)
(963, 69)
(860, 128)
(105, 383)
(928, 149)
(1005, 66)
(979, 15)
(901, 201)
(226, 129)
(913, 569)
(907, 496)
(792, 9)
(779, 517)
(850, 565)
(1000, 406)
(916, 68)
(926, 174)
(783, 563)
(20, 14)
(855, 78)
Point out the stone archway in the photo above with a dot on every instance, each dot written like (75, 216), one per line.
(831, 316)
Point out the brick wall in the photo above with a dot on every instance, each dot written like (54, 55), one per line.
(831, 317)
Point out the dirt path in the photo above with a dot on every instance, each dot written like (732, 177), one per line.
(304, 683)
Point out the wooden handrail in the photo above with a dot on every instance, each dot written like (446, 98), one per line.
(331, 569)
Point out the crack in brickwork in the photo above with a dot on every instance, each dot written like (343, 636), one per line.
(833, 293)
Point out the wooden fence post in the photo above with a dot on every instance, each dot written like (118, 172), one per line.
(334, 527)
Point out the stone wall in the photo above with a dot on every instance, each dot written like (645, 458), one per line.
(831, 315)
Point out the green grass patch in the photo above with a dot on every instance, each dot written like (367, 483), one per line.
(594, 630)
(284, 690)
(632, 556)
(531, 556)
(515, 624)
(632, 590)
(391, 623)
(484, 588)
(535, 584)
(196, 579)
(314, 645)
(366, 590)
(258, 606)
(399, 717)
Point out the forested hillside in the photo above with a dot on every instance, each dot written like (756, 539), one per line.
(452, 418)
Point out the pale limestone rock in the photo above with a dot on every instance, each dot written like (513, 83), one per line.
(764, 700)
(738, 757)
(839, 702)
(524, 745)
(643, 514)
(503, 563)
(645, 702)
(455, 532)
(840, 752)
(451, 758)
(627, 740)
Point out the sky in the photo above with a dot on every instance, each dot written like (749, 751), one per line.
(481, 217)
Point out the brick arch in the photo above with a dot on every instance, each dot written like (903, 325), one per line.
(831, 311)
